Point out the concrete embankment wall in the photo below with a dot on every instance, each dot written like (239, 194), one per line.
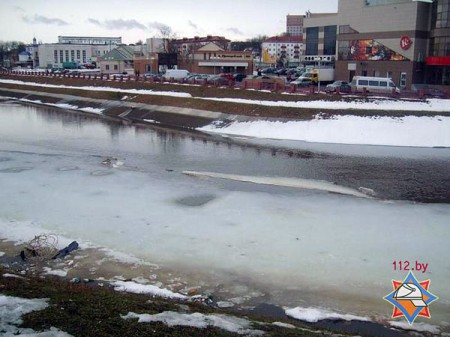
(131, 111)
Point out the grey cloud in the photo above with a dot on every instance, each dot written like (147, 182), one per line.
(94, 22)
(118, 24)
(158, 26)
(234, 31)
(38, 19)
(123, 24)
(193, 25)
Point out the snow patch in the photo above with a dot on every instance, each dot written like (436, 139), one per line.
(421, 327)
(198, 320)
(107, 89)
(313, 315)
(378, 104)
(11, 311)
(137, 288)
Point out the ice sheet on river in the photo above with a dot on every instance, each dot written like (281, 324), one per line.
(309, 184)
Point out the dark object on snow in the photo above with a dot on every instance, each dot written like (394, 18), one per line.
(65, 251)
(27, 252)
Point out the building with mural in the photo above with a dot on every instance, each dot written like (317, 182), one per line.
(406, 40)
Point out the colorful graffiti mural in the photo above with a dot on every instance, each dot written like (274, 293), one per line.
(367, 50)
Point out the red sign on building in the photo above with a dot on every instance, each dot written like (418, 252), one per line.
(405, 42)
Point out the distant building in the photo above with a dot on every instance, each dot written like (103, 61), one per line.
(148, 60)
(294, 25)
(33, 50)
(186, 46)
(89, 40)
(213, 59)
(120, 60)
(78, 49)
(282, 49)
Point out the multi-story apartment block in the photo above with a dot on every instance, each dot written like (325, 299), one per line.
(294, 25)
(282, 49)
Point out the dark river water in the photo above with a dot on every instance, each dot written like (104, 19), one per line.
(414, 174)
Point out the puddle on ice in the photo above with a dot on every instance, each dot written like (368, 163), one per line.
(15, 169)
(195, 200)
(68, 168)
(100, 173)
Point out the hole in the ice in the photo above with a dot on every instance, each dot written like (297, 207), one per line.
(99, 173)
(195, 200)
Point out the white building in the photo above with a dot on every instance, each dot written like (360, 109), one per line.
(79, 49)
(90, 40)
(285, 48)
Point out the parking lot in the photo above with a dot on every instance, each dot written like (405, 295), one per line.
(266, 82)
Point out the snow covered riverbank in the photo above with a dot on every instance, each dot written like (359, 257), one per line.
(389, 131)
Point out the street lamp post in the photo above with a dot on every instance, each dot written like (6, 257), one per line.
(318, 74)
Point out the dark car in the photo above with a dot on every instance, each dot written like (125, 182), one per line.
(239, 77)
(343, 87)
(218, 80)
(268, 71)
(302, 82)
(228, 76)
(435, 93)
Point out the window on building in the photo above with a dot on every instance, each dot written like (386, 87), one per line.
(84, 56)
(72, 55)
(55, 56)
(441, 14)
(440, 46)
(116, 67)
(78, 55)
(329, 40)
(67, 55)
(312, 41)
(107, 67)
(61, 56)
(343, 50)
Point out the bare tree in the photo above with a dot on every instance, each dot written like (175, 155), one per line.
(166, 33)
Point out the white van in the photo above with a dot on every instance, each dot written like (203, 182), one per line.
(176, 74)
(373, 84)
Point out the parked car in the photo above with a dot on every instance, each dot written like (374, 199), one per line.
(435, 93)
(217, 80)
(302, 82)
(239, 77)
(267, 71)
(196, 78)
(342, 85)
(228, 76)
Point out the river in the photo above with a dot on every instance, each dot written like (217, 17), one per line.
(246, 243)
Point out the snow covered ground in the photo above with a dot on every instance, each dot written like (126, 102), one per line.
(390, 131)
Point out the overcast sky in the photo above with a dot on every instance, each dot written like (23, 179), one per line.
(136, 20)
